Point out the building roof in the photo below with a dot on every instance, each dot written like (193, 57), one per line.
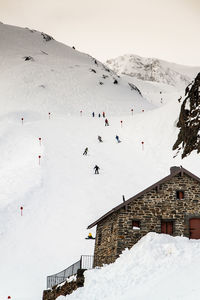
(173, 172)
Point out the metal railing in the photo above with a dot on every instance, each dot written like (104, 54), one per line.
(85, 262)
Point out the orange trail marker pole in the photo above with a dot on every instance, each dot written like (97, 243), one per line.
(39, 156)
(21, 208)
(22, 119)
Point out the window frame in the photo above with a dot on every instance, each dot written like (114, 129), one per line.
(178, 194)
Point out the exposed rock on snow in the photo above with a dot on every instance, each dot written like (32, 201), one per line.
(189, 120)
(47, 37)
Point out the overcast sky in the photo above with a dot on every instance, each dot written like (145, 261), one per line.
(167, 29)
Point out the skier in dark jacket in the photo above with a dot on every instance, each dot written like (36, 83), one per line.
(100, 139)
(96, 170)
(99, 115)
(93, 114)
(85, 151)
(106, 122)
(117, 138)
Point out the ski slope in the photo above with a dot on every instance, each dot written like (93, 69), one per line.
(61, 196)
(158, 267)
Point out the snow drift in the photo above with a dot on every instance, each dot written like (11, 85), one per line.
(158, 267)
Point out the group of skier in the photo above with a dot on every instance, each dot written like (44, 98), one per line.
(99, 115)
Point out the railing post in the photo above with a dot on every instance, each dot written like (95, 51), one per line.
(81, 262)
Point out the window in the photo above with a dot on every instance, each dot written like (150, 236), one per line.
(111, 228)
(179, 195)
(136, 224)
(99, 238)
(167, 227)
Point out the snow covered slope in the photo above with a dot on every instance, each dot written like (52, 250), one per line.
(157, 267)
(49, 76)
(61, 196)
(153, 69)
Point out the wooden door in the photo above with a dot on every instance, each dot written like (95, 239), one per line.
(195, 228)
(167, 227)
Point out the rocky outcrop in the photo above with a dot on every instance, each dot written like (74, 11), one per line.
(189, 120)
(65, 288)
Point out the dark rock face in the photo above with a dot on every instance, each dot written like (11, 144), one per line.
(189, 120)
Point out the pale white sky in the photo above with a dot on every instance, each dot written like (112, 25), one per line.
(168, 29)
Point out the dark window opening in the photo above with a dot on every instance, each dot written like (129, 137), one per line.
(136, 224)
(180, 195)
(167, 227)
(111, 228)
(99, 238)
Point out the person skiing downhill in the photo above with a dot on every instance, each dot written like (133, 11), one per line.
(99, 115)
(117, 138)
(85, 151)
(106, 122)
(100, 139)
(93, 114)
(103, 114)
(96, 170)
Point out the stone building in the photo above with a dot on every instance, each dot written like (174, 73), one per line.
(171, 206)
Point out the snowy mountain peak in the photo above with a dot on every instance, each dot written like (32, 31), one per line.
(152, 69)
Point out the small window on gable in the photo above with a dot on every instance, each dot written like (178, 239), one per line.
(180, 195)
(136, 224)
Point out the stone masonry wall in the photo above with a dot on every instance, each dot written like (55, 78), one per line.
(149, 209)
(64, 289)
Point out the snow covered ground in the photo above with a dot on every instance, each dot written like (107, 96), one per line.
(61, 196)
(157, 267)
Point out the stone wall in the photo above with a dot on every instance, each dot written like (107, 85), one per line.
(149, 209)
(64, 289)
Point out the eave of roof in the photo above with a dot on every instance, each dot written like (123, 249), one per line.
(116, 208)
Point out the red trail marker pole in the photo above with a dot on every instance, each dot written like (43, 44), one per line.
(40, 140)
(22, 119)
(39, 156)
(142, 145)
(21, 208)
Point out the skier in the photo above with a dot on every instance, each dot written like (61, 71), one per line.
(99, 115)
(93, 114)
(100, 139)
(106, 122)
(96, 170)
(104, 115)
(117, 138)
(85, 151)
